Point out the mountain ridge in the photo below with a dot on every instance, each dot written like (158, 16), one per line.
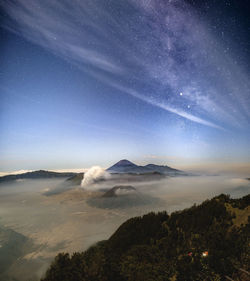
(126, 166)
(39, 174)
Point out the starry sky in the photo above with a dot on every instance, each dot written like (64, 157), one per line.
(85, 82)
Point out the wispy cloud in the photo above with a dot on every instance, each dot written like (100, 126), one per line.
(190, 59)
(166, 107)
(160, 48)
(62, 28)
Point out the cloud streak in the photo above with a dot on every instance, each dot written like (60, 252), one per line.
(163, 106)
(160, 48)
(59, 27)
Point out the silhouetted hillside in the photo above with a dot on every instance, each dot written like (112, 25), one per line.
(41, 174)
(205, 242)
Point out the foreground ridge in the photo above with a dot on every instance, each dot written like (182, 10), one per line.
(205, 242)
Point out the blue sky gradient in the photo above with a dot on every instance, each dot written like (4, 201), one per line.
(92, 82)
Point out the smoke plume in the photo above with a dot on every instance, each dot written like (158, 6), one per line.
(94, 174)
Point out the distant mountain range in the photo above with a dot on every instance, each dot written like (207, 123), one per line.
(41, 174)
(125, 166)
(122, 167)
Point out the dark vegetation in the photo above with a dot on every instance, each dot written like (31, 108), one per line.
(159, 247)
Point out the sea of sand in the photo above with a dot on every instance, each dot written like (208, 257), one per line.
(35, 227)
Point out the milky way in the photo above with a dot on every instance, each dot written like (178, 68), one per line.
(163, 54)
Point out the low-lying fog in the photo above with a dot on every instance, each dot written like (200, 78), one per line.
(35, 227)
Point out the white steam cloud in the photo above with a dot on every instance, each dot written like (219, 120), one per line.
(94, 174)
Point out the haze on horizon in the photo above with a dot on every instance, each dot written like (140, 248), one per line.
(200, 168)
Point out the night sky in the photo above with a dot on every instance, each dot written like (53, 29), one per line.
(95, 81)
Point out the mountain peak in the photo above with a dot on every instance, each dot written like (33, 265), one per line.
(124, 162)
(122, 166)
(125, 166)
